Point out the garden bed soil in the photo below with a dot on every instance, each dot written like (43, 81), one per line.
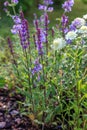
(10, 116)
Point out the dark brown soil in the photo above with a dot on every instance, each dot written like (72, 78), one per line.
(10, 117)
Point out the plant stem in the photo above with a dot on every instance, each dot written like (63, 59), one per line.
(29, 81)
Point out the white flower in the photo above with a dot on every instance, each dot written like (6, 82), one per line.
(58, 44)
(71, 35)
(83, 29)
(85, 16)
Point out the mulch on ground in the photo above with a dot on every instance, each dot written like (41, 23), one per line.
(10, 116)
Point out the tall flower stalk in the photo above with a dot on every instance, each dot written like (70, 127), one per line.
(10, 45)
(67, 6)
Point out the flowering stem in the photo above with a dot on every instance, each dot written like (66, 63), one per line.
(14, 10)
(29, 82)
(12, 53)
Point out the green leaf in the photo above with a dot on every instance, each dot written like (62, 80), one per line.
(2, 82)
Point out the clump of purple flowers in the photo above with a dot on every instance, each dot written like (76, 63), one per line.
(24, 32)
(39, 38)
(64, 22)
(67, 6)
(17, 24)
(21, 28)
(37, 68)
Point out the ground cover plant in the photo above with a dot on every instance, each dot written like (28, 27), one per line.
(50, 67)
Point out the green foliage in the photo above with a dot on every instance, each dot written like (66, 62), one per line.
(27, 4)
(84, 1)
(58, 3)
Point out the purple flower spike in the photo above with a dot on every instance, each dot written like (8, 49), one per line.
(39, 41)
(37, 68)
(64, 20)
(67, 6)
(24, 34)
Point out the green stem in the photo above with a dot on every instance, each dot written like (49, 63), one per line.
(29, 81)
(14, 10)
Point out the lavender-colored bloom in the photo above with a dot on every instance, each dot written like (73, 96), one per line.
(46, 26)
(16, 19)
(48, 2)
(16, 28)
(45, 8)
(37, 68)
(21, 28)
(50, 9)
(15, 1)
(45, 5)
(64, 20)
(65, 30)
(6, 3)
(68, 41)
(24, 34)
(39, 38)
(36, 23)
(67, 6)
(42, 7)
(39, 41)
(17, 24)
(77, 23)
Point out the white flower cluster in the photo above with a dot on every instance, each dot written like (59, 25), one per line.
(71, 35)
(58, 44)
(78, 28)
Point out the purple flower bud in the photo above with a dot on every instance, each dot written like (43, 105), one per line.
(45, 6)
(37, 68)
(67, 6)
(48, 2)
(42, 7)
(6, 3)
(50, 9)
(10, 45)
(15, 1)
(24, 34)
(39, 41)
(16, 19)
(64, 20)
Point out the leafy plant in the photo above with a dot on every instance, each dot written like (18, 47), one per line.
(50, 67)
